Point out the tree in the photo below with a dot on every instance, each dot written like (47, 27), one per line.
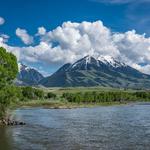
(29, 93)
(8, 72)
(8, 67)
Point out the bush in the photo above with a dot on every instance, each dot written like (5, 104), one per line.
(31, 93)
(50, 95)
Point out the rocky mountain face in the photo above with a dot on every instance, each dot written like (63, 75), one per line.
(28, 76)
(104, 71)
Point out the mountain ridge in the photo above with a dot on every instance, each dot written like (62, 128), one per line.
(28, 75)
(104, 71)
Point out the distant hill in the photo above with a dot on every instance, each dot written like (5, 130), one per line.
(104, 71)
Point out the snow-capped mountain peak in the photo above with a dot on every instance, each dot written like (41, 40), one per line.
(88, 61)
(84, 62)
(108, 60)
(103, 71)
(23, 67)
(28, 75)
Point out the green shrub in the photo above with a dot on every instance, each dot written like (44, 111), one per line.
(50, 95)
(31, 93)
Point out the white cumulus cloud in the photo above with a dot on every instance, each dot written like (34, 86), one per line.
(24, 36)
(41, 31)
(72, 41)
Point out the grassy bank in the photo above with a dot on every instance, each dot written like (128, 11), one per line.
(79, 97)
(62, 105)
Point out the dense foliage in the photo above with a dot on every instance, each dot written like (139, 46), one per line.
(8, 72)
(106, 96)
(29, 93)
(8, 67)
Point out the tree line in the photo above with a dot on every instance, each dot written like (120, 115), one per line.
(31, 93)
(106, 96)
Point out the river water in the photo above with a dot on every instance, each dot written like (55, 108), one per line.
(107, 128)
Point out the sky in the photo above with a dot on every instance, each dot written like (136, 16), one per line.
(45, 34)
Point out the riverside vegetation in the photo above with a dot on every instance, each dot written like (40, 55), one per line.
(12, 96)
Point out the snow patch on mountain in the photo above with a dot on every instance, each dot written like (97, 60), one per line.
(87, 60)
(84, 61)
(28, 75)
(23, 67)
(108, 60)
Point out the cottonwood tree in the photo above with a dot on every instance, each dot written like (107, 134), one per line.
(8, 72)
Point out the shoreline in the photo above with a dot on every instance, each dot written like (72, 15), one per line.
(67, 105)
(62, 105)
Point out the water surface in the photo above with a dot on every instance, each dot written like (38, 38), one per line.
(106, 128)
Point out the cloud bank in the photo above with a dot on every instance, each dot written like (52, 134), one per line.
(72, 41)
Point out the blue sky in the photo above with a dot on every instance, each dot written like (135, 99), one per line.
(119, 16)
(30, 14)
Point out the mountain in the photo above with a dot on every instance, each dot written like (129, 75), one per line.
(104, 71)
(28, 76)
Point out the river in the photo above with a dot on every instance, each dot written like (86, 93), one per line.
(101, 128)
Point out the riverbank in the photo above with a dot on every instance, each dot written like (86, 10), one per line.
(49, 104)
(63, 105)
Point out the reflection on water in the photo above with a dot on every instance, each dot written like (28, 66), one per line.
(115, 127)
(5, 139)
